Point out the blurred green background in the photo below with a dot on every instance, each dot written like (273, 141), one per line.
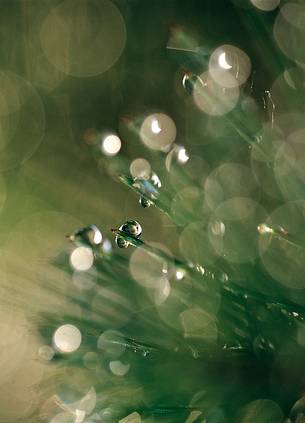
(73, 71)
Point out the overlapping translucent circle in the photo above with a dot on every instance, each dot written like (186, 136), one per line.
(195, 169)
(266, 5)
(147, 268)
(195, 245)
(89, 37)
(261, 410)
(187, 205)
(289, 165)
(212, 98)
(233, 229)
(198, 324)
(284, 260)
(111, 343)
(158, 131)
(289, 30)
(22, 120)
(140, 168)
(118, 368)
(227, 181)
(229, 66)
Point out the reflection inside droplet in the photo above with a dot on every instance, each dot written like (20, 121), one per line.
(222, 61)
(155, 126)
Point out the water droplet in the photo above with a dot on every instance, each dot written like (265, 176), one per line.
(264, 229)
(89, 235)
(189, 80)
(131, 228)
(148, 187)
(121, 242)
(224, 277)
(145, 202)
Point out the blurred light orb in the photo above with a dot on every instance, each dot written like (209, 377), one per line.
(182, 155)
(162, 290)
(178, 155)
(90, 360)
(107, 246)
(289, 165)
(82, 258)
(229, 66)
(213, 98)
(227, 181)
(289, 30)
(67, 338)
(266, 5)
(179, 275)
(197, 323)
(140, 168)
(111, 145)
(46, 353)
(112, 343)
(87, 42)
(118, 368)
(146, 268)
(237, 238)
(283, 260)
(131, 418)
(158, 131)
(191, 241)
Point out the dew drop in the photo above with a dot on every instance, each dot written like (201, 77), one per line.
(145, 203)
(89, 235)
(131, 228)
